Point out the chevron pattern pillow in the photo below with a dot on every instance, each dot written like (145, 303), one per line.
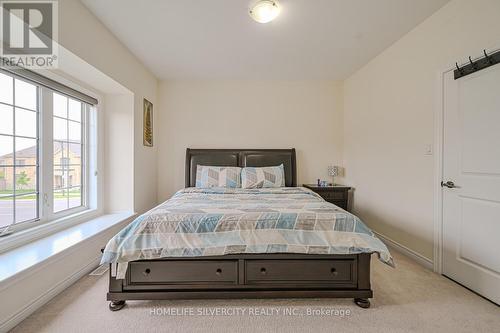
(263, 177)
(215, 176)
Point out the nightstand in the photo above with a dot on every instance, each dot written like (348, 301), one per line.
(336, 194)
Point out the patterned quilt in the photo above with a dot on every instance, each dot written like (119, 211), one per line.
(218, 221)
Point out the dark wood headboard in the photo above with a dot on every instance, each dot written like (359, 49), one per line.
(241, 158)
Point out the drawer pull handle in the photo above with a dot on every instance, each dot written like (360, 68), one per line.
(218, 271)
(146, 272)
(334, 271)
(263, 271)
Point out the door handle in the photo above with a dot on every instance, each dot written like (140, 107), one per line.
(449, 184)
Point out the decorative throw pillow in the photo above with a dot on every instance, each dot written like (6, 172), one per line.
(263, 177)
(215, 176)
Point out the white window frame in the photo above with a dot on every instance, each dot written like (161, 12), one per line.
(47, 164)
(13, 227)
(48, 221)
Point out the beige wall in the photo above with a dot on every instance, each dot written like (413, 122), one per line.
(248, 114)
(388, 119)
(119, 181)
(84, 35)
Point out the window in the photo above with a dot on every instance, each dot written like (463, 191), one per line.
(19, 116)
(68, 147)
(44, 153)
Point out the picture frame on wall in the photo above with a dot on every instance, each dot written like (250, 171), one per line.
(147, 121)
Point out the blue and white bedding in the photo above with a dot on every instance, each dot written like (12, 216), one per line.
(264, 177)
(219, 221)
(216, 176)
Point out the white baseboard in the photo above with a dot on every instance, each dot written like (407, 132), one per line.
(48, 295)
(426, 262)
(51, 293)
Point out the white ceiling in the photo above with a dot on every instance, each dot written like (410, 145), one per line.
(216, 39)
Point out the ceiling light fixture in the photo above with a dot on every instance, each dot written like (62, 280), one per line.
(264, 11)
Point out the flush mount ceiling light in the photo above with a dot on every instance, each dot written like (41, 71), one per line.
(264, 11)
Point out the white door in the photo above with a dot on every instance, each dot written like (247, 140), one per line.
(471, 160)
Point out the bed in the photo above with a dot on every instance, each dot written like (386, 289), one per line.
(242, 243)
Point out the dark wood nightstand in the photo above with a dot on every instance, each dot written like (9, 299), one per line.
(336, 194)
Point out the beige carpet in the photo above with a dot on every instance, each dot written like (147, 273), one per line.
(408, 298)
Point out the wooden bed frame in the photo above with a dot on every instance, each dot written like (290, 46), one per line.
(244, 275)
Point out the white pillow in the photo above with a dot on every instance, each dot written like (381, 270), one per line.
(263, 177)
(215, 176)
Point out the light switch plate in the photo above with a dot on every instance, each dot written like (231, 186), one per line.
(428, 149)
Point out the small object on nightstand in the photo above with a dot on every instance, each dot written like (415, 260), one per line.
(333, 171)
(319, 182)
(336, 194)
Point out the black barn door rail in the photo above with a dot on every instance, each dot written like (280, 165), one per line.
(474, 66)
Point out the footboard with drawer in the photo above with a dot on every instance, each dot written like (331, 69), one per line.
(245, 276)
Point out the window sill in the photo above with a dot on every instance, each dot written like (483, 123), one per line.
(23, 237)
(28, 256)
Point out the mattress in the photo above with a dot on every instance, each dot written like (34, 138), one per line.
(199, 222)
